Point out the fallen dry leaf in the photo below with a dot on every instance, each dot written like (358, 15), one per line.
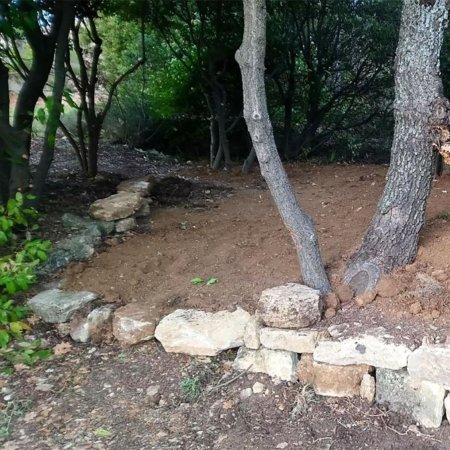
(62, 348)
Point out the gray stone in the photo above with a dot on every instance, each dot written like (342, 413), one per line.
(56, 306)
(258, 388)
(423, 401)
(96, 327)
(82, 224)
(134, 323)
(197, 332)
(276, 363)
(144, 211)
(245, 393)
(290, 306)
(251, 334)
(153, 394)
(372, 348)
(116, 207)
(431, 363)
(79, 247)
(124, 225)
(299, 341)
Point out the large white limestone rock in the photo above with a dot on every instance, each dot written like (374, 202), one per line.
(292, 305)
(372, 347)
(197, 332)
(116, 207)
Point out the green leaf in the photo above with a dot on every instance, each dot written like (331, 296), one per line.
(212, 281)
(4, 338)
(197, 281)
(102, 432)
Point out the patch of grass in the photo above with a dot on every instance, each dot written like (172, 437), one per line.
(192, 388)
(444, 215)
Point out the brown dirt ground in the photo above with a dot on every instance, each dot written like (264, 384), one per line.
(94, 398)
(238, 238)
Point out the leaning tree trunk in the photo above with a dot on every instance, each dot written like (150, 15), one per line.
(250, 57)
(421, 120)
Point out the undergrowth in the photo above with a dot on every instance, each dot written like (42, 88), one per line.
(20, 253)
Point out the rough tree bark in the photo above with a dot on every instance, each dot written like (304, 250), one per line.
(421, 123)
(55, 109)
(250, 57)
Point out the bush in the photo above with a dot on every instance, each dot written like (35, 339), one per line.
(20, 254)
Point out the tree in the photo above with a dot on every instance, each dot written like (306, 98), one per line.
(421, 126)
(41, 33)
(250, 57)
(331, 63)
(90, 114)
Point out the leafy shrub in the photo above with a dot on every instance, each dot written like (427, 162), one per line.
(20, 253)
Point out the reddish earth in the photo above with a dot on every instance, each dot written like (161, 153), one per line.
(94, 398)
(238, 238)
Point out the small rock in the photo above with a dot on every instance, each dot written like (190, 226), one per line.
(57, 306)
(282, 445)
(440, 275)
(153, 394)
(96, 327)
(245, 393)
(330, 313)
(290, 306)
(344, 292)
(275, 363)
(116, 207)
(388, 287)
(305, 370)
(415, 308)
(366, 298)
(124, 225)
(258, 388)
(44, 387)
(367, 388)
(196, 332)
(134, 323)
(331, 300)
(435, 314)
(251, 334)
(63, 329)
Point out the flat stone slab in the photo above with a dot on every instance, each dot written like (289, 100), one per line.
(116, 207)
(299, 341)
(424, 401)
(431, 363)
(372, 348)
(195, 332)
(57, 306)
(292, 305)
(140, 185)
(134, 323)
(275, 363)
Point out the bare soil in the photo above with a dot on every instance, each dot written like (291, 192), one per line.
(227, 227)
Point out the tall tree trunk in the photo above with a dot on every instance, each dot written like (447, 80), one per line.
(248, 163)
(421, 120)
(250, 57)
(55, 110)
(4, 123)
